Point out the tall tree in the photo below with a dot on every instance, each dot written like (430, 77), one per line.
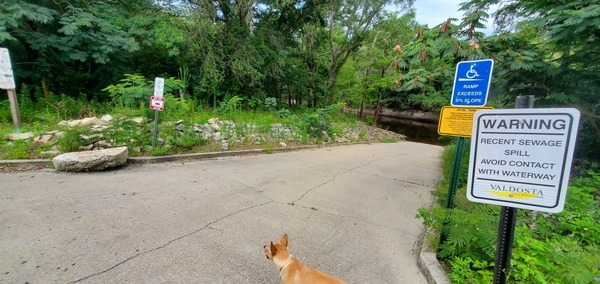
(549, 49)
(71, 46)
(367, 80)
(349, 23)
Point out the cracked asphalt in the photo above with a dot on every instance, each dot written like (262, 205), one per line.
(349, 211)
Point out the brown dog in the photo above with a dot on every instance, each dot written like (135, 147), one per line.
(293, 271)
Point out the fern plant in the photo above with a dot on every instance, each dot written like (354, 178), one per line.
(135, 90)
(548, 248)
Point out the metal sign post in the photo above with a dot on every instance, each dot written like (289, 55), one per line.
(157, 103)
(471, 86)
(520, 158)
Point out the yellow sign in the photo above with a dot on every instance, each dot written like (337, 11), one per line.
(457, 121)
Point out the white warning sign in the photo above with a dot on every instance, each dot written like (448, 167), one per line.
(522, 157)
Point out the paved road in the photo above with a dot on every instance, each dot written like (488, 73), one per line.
(348, 211)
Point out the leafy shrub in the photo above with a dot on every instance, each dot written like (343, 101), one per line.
(176, 108)
(17, 150)
(548, 248)
(135, 90)
(190, 141)
(124, 131)
(231, 105)
(71, 140)
(161, 150)
(72, 108)
(284, 113)
(318, 122)
(270, 103)
(5, 114)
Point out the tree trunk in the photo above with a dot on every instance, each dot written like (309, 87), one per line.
(377, 111)
(360, 111)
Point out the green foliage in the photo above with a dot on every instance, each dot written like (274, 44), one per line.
(16, 150)
(189, 141)
(126, 132)
(72, 140)
(67, 107)
(319, 122)
(234, 104)
(388, 140)
(270, 103)
(161, 150)
(177, 108)
(135, 90)
(548, 248)
(546, 49)
(468, 270)
(284, 113)
(5, 114)
(14, 11)
(76, 47)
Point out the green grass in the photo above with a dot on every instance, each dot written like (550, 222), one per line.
(388, 140)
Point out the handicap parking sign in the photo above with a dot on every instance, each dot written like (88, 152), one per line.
(472, 82)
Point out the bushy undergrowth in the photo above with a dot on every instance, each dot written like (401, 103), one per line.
(43, 114)
(548, 248)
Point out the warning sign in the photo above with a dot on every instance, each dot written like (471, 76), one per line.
(457, 121)
(522, 157)
(157, 103)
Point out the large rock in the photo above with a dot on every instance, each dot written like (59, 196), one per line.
(20, 136)
(87, 161)
(85, 122)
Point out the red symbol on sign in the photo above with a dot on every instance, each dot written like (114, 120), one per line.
(157, 103)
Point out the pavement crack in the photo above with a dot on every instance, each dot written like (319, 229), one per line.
(207, 226)
(411, 182)
(328, 181)
(308, 191)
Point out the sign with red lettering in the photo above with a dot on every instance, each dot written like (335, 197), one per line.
(157, 103)
(522, 157)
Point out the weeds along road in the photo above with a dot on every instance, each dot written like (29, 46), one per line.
(349, 211)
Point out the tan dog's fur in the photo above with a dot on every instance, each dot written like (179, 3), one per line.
(293, 271)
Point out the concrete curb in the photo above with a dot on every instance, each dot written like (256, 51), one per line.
(26, 163)
(429, 264)
(210, 155)
(173, 158)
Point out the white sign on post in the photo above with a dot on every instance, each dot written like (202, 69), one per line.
(159, 86)
(157, 103)
(7, 81)
(521, 158)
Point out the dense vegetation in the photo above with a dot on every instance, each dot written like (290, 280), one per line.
(300, 53)
(548, 248)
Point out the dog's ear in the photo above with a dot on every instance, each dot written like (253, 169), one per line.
(284, 240)
(273, 249)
